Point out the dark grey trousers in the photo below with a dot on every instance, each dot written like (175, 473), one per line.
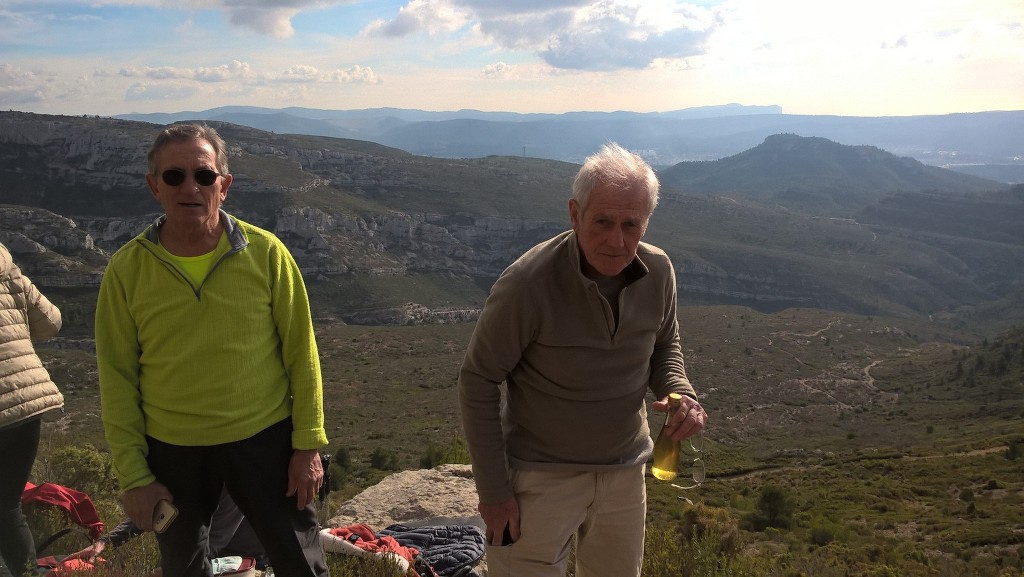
(255, 473)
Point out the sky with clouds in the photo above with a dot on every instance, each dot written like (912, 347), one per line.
(864, 58)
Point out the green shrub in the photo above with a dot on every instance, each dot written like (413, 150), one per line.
(454, 452)
(340, 469)
(662, 551)
(338, 477)
(352, 566)
(701, 520)
(342, 459)
(1014, 450)
(774, 508)
(83, 468)
(384, 460)
(46, 522)
(821, 536)
(706, 543)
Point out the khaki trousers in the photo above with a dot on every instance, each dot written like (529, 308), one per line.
(606, 511)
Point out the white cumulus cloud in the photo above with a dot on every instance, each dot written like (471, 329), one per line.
(270, 21)
(266, 17)
(430, 16)
(612, 35)
(570, 34)
(306, 74)
(300, 73)
(354, 75)
(234, 70)
(499, 70)
(148, 91)
(19, 86)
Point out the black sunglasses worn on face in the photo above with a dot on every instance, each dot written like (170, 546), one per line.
(203, 177)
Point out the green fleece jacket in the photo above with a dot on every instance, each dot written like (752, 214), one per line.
(209, 364)
(576, 381)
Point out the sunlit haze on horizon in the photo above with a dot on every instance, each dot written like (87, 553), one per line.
(868, 58)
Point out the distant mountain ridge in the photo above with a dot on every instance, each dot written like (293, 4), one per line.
(413, 115)
(816, 175)
(989, 144)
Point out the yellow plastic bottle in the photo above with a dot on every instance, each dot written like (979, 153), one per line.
(666, 451)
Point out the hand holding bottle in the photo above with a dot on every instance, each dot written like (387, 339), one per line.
(685, 422)
(684, 418)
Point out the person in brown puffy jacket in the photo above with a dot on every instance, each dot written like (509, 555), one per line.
(26, 392)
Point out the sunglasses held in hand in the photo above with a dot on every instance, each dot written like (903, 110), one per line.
(203, 177)
(693, 465)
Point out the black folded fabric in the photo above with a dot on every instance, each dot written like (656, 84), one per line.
(449, 549)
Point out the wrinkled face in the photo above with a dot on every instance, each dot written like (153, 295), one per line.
(610, 229)
(189, 203)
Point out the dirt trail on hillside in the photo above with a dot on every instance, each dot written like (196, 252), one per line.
(792, 468)
(788, 334)
(838, 379)
(816, 333)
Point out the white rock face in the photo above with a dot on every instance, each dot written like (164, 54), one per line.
(444, 495)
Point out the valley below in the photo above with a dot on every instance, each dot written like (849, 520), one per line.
(886, 456)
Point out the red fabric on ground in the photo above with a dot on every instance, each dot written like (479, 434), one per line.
(362, 536)
(66, 567)
(78, 505)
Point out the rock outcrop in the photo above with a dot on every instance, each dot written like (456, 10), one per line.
(444, 495)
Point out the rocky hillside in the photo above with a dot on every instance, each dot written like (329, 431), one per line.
(386, 237)
(818, 176)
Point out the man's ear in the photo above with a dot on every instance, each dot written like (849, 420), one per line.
(574, 213)
(226, 181)
(152, 182)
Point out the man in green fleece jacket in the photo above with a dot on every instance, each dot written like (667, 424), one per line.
(577, 329)
(208, 366)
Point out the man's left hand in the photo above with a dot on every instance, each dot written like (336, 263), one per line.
(305, 475)
(688, 420)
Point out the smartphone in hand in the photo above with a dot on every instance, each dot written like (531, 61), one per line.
(163, 515)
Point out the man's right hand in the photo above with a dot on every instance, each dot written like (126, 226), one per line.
(90, 553)
(140, 502)
(501, 518)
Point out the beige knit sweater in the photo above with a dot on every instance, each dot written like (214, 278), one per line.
(575, 380)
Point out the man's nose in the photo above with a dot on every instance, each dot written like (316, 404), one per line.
(618, 237)
(190, 182)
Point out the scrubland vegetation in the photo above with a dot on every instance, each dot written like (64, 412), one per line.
(838, 444)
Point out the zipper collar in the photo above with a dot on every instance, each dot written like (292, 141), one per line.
(234, 232)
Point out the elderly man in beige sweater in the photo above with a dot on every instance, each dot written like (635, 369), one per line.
(578, 329)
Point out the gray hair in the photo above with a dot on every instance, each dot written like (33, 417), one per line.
(187, 132)
(619, 169)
